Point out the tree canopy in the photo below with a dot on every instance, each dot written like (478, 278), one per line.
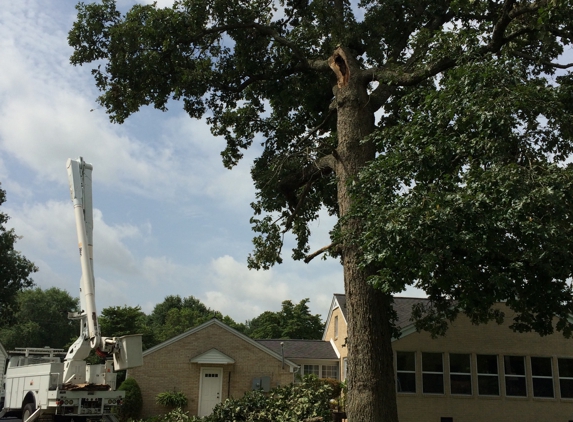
(117, 321)
(291, 322)
(41, 319)
(438, 132)
(175, 315)
(15, 269)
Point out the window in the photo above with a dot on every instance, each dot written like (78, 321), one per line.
(311, 370)
(460, 373)
(336, 327)
(321, 371)
(542, 377)
(345, 367)
(515, 376)
(406, 372)
(330, 371)
(432, 373)
(566, 377)
(488, 379)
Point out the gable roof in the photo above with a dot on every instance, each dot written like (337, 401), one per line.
(218, 323)
(213, 356)
(402, 306)
(302, 349)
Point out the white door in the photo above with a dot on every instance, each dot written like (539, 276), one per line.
(211, 388)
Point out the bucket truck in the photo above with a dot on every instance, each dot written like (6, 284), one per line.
(38, 383)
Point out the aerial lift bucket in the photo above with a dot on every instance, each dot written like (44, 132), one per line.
(129, 354)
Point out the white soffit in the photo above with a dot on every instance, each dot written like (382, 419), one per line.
(213, 356)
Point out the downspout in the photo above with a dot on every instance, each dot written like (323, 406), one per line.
(229, 386)
(283, 353)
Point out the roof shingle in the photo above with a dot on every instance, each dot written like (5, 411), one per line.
(301, 349)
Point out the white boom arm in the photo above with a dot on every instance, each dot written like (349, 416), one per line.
(126, 350)
(80, 179)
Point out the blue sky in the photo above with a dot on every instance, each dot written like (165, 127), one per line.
(169, 218)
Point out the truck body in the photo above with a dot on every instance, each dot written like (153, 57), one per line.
(56, 385)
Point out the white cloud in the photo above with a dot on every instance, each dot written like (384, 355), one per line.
(163, 271)
(243, 293)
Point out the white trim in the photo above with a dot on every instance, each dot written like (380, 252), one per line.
(406, 331)
(215, 321)
(213, 357)
(334, 305)
(334, 347)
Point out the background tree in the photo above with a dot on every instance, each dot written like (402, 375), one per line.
(41, 319)
(307, 80)
(15, 269)
(175, 315)
(291, 322)
(117, 321)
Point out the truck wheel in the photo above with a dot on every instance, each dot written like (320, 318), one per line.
(27, 412)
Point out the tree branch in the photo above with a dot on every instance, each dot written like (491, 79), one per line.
(313, 255)
(320, 65)
(395, 75)
(322, 167)
(543, 62)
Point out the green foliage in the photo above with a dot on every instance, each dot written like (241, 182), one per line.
(42, 320)
(133, 402)
(117, 321)
(176, 415)
(290, 403)
(291, 322)
(172, 399)
(471, 201)
(175, 315)
(15, 269)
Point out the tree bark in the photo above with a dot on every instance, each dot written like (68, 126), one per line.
(371, 386)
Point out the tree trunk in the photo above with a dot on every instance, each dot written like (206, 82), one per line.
(371, 386)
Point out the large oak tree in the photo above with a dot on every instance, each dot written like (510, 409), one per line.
(437, 132)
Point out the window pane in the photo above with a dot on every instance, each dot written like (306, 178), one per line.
(543, 387)
(311, 370)
(432, 362)
(406, 361)
(541, 367)
(565, 368)
(515, 386)
(488, 385)
(487, 364)
(566, 386)
(406, 382)
(330, 371)
(460, 363)
(514, 365)
(461, 384)
(433, 383)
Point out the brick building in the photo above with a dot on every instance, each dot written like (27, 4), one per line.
(212, 362)
(473, 374)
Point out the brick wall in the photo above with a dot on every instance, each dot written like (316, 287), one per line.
(169, 368)
(463, 337)
(339, 340)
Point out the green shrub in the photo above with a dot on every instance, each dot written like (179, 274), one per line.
(177, 415)
(133, 402)
(290, 403)
(171, 399)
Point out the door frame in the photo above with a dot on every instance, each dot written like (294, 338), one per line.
(219, 370)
